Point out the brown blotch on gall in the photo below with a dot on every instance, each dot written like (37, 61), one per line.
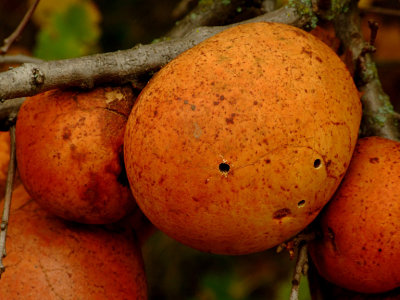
(281, 213)
(374, 160)
(308, 52)
(67, 133)
(230, 119)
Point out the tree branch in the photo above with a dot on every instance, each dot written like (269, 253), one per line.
(19, 59)
(121, 66)
(379, 117)
(17, 32)
(206, 13)
(301, 269)
(299, 243)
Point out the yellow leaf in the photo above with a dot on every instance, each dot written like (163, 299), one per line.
(46, 8)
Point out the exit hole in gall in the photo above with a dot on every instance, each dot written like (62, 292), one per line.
(301, 203)
(224, 167)
(317, 163)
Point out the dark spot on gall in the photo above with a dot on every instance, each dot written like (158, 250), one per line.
(67, 133)
(230, 119)
(374, 160)
(308, 52)
(281, 213)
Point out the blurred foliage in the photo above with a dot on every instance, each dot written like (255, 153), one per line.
(67, 28)
(128, 23)
(176, 271)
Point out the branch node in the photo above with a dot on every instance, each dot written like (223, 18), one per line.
(38, 77)
(3, 225)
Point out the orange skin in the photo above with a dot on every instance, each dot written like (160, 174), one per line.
(49, 258)
(268, 100)
(69, 153)
(4, 159)
(360, 246)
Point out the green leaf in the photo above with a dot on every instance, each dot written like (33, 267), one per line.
(69, 33)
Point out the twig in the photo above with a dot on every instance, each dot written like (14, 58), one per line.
(381, 11)
(396, 115)
(268, 5)
(181, 8)
(373, 26)
(118, 67)
(204, 14)
(17, 32)
(19, 59)
(299, 243)
(7, 199)
(378, 114)
(300, 270)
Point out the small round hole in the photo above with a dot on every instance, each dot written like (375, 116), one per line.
(224, 167)
(317, 163)
(301, 203)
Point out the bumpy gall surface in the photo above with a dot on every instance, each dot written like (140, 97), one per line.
(360, 246)
(237, 144)
(49, 258)
(69, 152)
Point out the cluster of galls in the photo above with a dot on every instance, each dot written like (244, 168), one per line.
(233, 147)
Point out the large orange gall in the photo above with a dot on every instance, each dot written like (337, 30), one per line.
(69, 152)
(49, 258)
(237, 144)
(360, 246)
